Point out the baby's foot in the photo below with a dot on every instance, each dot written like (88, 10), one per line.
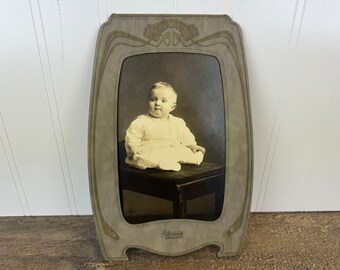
(199, 157)
(169, 166)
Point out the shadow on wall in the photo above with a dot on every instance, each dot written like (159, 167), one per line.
(197, 80)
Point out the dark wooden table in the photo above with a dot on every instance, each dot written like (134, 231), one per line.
(179, 187)
(273, 241)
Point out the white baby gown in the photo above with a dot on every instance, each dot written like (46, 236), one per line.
(160, 143)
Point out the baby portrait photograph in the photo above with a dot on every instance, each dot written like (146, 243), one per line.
(158, 139)
(171, 131)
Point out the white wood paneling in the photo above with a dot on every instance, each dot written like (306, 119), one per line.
(11, 186)
(204, 7)
(26, 113)
(47, 50)
(270, 71)
(133, 6)
(303, 111)
(269, 31)
(318, 57)
(70, 69)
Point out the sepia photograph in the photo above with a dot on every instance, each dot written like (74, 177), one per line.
(171, 137)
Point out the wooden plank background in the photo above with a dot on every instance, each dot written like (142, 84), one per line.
(47, 50)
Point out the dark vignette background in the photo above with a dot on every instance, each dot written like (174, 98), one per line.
(197, 80)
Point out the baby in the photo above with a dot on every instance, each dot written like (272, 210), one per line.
(158, 139)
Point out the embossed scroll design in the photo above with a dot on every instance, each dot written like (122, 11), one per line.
(171, 33)
(175, 31)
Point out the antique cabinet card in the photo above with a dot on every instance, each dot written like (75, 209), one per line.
(170, 136)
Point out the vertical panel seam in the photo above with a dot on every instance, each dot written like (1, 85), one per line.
(169, 6)
(232, 9)
(300, 24)
(103, 7)
(107, 10)
(262, 193)
(275, 131)
(278, 113)
(55, 116)
(317, 155)
(61, 30)
(235, 10)
(98, 7)
(16, 177)
(61, 143)
(239, 9)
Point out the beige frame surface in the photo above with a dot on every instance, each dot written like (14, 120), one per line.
(127, 35)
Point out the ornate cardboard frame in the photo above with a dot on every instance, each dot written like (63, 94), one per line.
(127, 35)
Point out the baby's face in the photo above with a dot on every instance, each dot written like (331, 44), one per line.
(161, 102)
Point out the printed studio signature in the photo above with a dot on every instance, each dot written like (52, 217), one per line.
(172, 234)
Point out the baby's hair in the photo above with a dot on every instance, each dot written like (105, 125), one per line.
(158, 85)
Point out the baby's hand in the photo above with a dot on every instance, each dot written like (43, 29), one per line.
(133, 153)
(133, 156)
(195, 148)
